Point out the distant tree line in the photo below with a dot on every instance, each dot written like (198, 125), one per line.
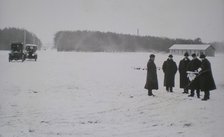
(9, 35)
(112, 42)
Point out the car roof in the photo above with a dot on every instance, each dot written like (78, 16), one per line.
(16, 43)
(33, 45)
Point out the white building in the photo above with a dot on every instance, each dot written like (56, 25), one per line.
(180, 49)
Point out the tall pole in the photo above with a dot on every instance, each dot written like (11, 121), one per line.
(24, 37)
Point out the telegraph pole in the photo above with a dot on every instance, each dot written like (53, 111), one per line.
(24, 37)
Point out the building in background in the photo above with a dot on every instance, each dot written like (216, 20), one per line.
(180, 49)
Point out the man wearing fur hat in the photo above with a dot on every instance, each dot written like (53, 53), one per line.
(169, 69)
(193, 67)
(206, 80)
(184, 81)
(151, 79)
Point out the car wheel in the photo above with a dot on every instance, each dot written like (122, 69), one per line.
(23, 58)
(36, 58)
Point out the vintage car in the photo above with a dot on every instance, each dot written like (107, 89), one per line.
(17, 52)
(30, 51)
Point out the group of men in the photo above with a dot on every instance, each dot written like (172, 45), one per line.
(195, 75)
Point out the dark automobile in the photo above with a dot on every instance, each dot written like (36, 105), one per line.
(31, 51)
(17, 52)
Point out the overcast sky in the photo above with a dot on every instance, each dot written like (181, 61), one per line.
(167, 18)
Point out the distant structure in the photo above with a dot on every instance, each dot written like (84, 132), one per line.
(180, 49)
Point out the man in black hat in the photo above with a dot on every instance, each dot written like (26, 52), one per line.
(206, 80)
(151, 79)
(169, 69)
(193, 66)
(184, 81)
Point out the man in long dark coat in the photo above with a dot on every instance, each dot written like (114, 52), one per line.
(184, 81)
(169, 69)
(151, 80)
(193, 66)
(206, 80)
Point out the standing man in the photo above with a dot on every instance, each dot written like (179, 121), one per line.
(184, 81)
(193, 66)
(169, 69)
(206, 80)
(151, 80)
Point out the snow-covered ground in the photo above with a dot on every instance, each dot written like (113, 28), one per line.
(72, 94)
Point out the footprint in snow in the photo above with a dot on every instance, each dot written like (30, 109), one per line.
(187, 124)
(31, 130)
(90, 122)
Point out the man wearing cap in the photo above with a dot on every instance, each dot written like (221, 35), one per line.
(184, 81)
(206, 80)
(193, 66)
(169, 69)
(151, 79)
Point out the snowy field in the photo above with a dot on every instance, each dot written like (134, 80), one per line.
(70, 94)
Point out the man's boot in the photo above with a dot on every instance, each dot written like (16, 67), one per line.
(150, 92)
(171, 89)
(192, 93)
(206, 96)
(167, 89)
